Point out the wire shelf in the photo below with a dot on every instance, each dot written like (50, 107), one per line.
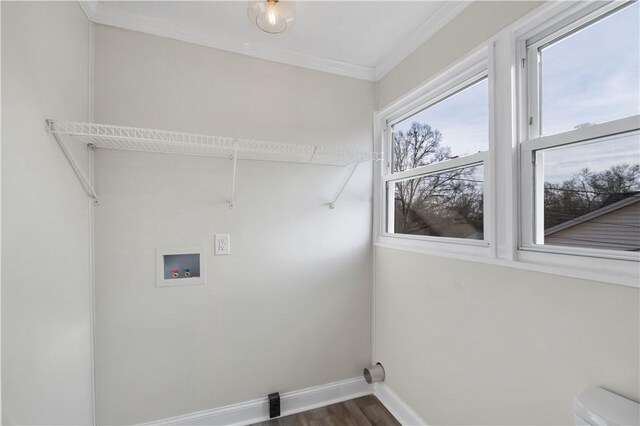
(167, 142)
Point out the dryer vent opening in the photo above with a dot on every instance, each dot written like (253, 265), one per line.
(374, 373)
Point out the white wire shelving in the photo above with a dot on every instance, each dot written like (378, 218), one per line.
(161, 141)
(106, 136)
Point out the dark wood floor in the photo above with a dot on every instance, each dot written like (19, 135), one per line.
(364, 411)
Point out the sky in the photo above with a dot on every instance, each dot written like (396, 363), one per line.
(463, 119)
(591, 76)
(560, 163)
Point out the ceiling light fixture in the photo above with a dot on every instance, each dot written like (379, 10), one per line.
(272, 16)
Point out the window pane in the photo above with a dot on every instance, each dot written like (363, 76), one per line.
(592, 76)
(447, 204)
(592, 194)
(455, 126)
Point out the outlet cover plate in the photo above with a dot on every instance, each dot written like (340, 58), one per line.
(223, 244)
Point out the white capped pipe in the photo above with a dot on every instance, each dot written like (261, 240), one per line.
(374, 373)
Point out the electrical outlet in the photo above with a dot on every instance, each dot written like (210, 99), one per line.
(222, 244)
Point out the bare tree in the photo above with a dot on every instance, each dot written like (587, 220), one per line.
(432, 205)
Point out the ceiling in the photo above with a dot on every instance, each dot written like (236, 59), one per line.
(361, 39)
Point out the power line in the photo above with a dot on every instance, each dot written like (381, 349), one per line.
(548, 188)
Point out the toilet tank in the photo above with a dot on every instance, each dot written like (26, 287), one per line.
(596, 406)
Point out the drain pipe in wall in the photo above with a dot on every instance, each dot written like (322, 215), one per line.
(374, 373)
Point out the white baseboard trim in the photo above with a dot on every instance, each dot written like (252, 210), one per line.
(396, 406)
(257, 410)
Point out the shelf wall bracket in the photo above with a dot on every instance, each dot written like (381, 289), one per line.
(350, 172)
(72, 162)
(233, 179)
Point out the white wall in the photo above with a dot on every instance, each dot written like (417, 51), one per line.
(291, 306)
(470, 343)
(46, 329)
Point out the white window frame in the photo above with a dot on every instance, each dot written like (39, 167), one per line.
(504, 56)
(616, 263)
(471, 69)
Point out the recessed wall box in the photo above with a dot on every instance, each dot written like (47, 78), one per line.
(180, 267)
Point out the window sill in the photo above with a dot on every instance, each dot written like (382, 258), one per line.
(436, 245)
(608, 271)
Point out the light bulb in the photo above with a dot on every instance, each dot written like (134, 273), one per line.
(271, 16)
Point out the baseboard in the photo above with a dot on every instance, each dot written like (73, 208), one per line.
(257, 410)
(396, 406)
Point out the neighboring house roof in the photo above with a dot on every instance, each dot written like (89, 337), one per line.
(607, 208)
(615, 225)
(618, 196)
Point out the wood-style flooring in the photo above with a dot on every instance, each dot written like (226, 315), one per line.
(364, 411)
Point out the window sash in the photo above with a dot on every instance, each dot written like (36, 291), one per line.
(443, 166)
(531, 177)
(473, 75)
(531, 45)
(532, 193)
(570, 24)
(389, 191)
(389, 181)
(597, 131)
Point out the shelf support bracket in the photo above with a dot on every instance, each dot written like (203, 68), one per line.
(233, 179)
(350, 172)
(72, 161)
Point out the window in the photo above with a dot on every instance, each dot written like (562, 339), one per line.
(580, 156)
(525, 152)
(435, 182)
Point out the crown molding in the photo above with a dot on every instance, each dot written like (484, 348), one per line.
(417, 38)
(181, 32)
(89, 8)
(163, 28)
